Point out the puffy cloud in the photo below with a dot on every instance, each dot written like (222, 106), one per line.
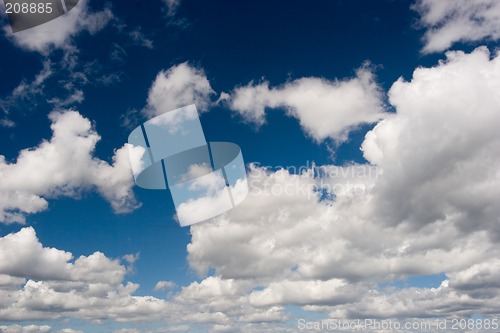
(451, 21)
(304, 292)
(164, 285)
(325, 109)
(430, 209)
(32, 260)
(90, 287)
(63, 166)
(127, 330)
(176, 87)
(326, 239)
(58, 32)
(179, 328)
(439, 153)
(26, 329)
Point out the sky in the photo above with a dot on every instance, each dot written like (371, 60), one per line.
(370, 135)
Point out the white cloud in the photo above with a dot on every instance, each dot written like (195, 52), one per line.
(431, 209)
(451, 21)
(179, 328)
(164, 285)
(440, 152)
(90, 287)
(304, 292)
(325, 109)
(63, 166)
(33, 329)
(127, 330)
(25, 329)
(58, 32)
(26, 93)
(179, 86)
(32, 260)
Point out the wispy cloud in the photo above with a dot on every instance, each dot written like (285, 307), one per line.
(451, 21)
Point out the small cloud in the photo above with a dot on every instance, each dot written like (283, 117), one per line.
(172, 6)
(131, 259)
(139, 38)
(164, 285)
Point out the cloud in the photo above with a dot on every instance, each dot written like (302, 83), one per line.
(63, 166)
(26, 94)
(25, 329)
(172, 6)
(164, 285)
(430, 210)
(451, 21)
(179, 328)
(179, 86)
(324, 108)
(440, 151)
(140, 39)
(57, 33)
(127, 330)
(32, 260)
(34, 329)
(56, 286)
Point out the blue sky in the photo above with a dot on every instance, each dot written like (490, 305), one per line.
(407, 87)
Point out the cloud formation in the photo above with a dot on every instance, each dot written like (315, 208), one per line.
(50, 284)
(324, 108)
(430, 210)
(57, 33)
(63, 166)
(179, 86)
(451, 21)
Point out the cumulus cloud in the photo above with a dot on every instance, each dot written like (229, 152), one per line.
(58, 32)
(42, 283)
(324, 108)
(440, 151)
(63, 166)
(451, 21)
(429, 210)
(57, 286)
(179, 86)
